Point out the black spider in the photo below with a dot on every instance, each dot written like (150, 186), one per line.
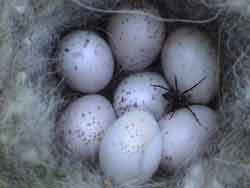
(178, 99)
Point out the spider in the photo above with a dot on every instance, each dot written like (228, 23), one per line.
(178, 99)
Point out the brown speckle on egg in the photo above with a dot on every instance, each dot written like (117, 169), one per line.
(86, 126)
(75, 55)
(137, 92)
(121, 43)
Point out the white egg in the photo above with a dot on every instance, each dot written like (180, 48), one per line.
(86, 61)
(83, 124)
(189, 55)
(136, 40)
(131, 149)
(184, 139)
(139, 91)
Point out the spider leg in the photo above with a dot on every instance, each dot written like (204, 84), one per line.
(171, 110)
(172, 115)
(195, 116)
(159, 86)
(195, 85)
(175, 83)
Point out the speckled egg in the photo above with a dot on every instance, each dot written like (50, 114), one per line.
(190, 55)
(131, 149)
(86, 61)
(140, 91)
(184, 138)
(136, 39)
(83, 124)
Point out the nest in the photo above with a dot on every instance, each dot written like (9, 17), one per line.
(31, 94)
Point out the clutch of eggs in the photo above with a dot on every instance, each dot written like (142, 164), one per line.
(132, 147)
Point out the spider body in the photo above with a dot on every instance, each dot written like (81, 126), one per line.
(179, 99)
(176, 100)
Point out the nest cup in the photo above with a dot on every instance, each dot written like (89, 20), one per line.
(33, 94)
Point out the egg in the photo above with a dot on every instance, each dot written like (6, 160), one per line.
(189, 55)
(82, 125)
(139, 91)
(184, 138)
(131, 148)
(136, 39)
(86, 61)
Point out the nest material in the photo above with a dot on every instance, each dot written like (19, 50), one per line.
(31, 94)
